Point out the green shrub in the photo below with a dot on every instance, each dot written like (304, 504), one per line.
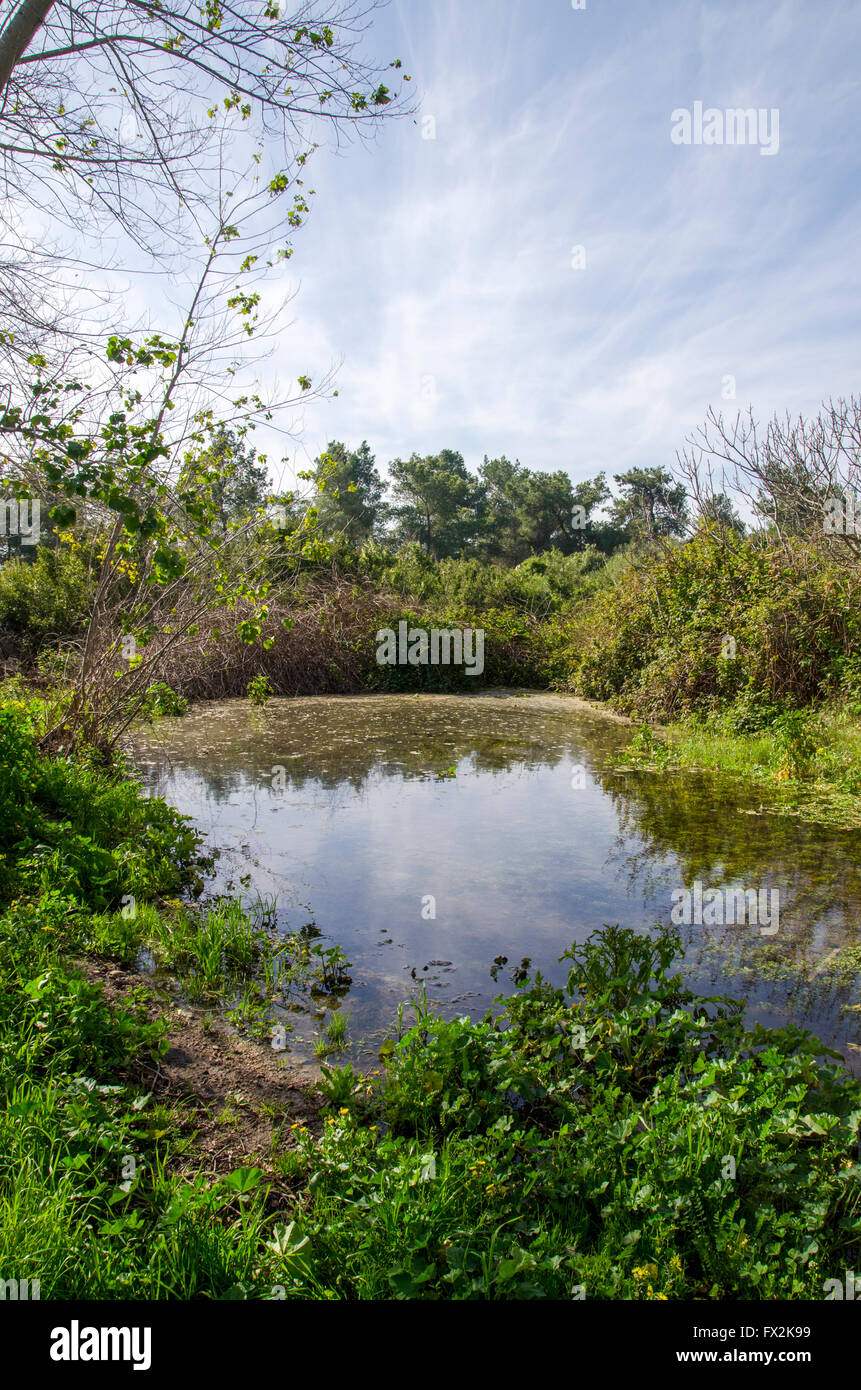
(66, 822)
(43, 600)
(620, 1137)
(659, 643)
(161, 700)
(259, 690)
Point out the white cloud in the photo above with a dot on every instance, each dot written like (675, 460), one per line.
(439, 271)
(451, 258)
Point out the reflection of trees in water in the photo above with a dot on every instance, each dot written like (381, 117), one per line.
(672, 828)
(701, 824)
(347, 743)
(332, 745)
(704, 824)
(698, 822)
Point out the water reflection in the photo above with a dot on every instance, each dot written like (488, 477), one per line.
(343, 808)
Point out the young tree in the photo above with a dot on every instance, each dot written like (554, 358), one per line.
(529, 512)
(102, 118)
(137, 116)
(437, 502)
(110, 107)
(351, 493)
(228, 472)
(142, 465)
(652, 504)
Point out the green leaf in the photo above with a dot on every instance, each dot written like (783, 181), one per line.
(242, 1179)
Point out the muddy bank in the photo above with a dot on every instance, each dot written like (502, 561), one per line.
(236, 1098)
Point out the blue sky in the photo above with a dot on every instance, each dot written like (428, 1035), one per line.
(438, 272)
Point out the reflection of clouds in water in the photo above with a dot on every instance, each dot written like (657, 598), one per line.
(521, 857)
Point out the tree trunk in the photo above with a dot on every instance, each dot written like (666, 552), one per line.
(19, 34)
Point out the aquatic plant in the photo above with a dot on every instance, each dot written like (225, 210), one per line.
(259, 690)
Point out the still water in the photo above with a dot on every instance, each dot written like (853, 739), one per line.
(428, 835)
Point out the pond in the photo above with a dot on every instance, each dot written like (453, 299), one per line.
(429, 836)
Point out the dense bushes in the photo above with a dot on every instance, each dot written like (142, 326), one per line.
(718, 621)
(541, 585)
(320, 634)
(65, 821)
(329, 646)
(42, 600)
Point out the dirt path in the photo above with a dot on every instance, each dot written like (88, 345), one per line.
(240, 1097)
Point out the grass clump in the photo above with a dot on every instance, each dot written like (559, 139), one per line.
(91, 1204)
(801, 762)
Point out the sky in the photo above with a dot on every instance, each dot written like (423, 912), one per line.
(441, 273)
(531, 266)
